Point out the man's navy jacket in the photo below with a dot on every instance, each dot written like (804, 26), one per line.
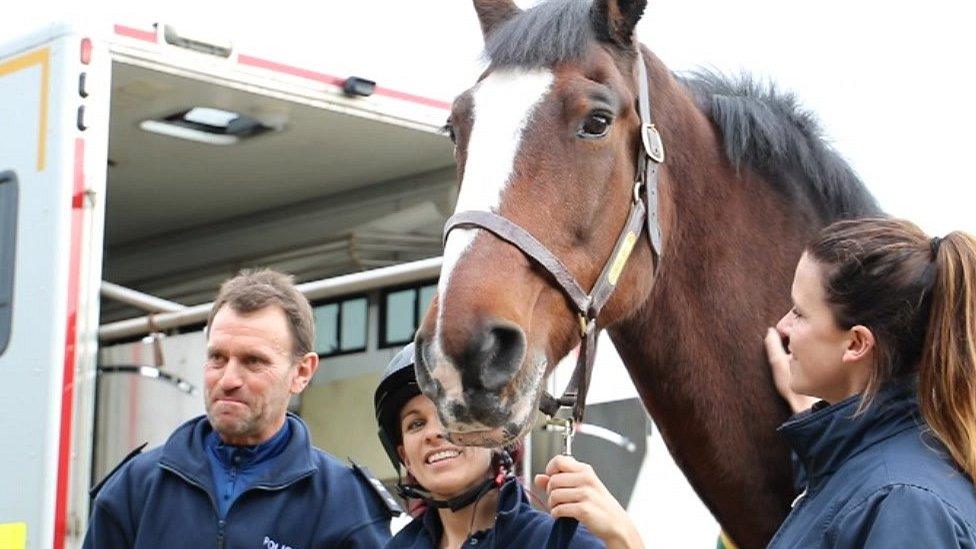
(165, 498)
(878, 479)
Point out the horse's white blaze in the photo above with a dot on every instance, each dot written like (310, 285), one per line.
(504, 103)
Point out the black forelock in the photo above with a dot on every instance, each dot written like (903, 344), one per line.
(542, 36)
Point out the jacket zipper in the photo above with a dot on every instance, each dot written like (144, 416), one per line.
(220, 533)
(799, 499)
(797, 504)
(222, 524)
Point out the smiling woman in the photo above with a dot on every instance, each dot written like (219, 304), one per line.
(441, 467)
(471, 494)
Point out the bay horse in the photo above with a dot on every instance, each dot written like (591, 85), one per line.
(549, 139)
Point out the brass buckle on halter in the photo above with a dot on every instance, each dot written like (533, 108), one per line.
(653, 145)
(582, 324)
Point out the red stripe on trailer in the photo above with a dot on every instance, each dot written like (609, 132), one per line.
(335, 80)
(70, 343)
(138, 34)
(250, 60)
(414, 98)
(288, 69)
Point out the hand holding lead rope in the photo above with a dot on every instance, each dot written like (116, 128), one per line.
(565, 528)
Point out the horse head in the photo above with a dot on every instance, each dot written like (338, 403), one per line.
(547, 139)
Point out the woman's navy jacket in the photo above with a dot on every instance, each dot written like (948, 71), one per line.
(518, 524)
(306, 498)
(876, 480)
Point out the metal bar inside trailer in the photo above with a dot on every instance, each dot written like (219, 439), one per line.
(404, 273)
(139, 299)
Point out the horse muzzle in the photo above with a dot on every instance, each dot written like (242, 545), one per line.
(481, 402)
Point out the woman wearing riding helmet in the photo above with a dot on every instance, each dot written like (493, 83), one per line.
(883, 333)
(472, 495)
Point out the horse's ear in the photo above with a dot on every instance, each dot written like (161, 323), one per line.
(614, 20)
(493, 12)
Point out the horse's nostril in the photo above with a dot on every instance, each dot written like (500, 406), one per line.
(500, 354)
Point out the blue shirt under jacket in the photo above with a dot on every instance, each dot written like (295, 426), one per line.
(876, 480)
(235, 468)
(305, 499)
(518, 524)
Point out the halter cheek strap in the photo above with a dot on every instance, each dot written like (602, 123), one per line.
(649, 162)
(643, 212)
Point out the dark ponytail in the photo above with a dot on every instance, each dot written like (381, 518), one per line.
(947, 370)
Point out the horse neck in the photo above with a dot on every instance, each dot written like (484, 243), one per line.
(694, 347)
(730, 242)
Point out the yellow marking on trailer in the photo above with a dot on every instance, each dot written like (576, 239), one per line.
(13, 535)
(40, 57)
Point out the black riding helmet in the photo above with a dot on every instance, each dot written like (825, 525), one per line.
(397, 386)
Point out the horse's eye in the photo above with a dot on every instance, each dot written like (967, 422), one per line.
(596, 125)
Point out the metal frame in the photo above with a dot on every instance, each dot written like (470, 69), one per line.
(139, 299)
(404, 273)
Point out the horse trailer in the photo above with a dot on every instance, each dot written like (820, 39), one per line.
(164, 161)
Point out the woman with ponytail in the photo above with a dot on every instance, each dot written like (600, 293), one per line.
(880, 351)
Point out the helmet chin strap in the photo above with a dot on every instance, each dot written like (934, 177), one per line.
(464, 499)
(472, 495)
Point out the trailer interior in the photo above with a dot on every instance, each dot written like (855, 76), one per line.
(317, 193)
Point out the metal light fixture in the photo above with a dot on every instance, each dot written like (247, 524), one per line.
(207, 125)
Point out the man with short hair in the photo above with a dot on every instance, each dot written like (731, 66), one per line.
(246, 474)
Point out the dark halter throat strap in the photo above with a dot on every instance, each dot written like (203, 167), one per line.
(588, 305)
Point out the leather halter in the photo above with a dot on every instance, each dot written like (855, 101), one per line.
(643, 211)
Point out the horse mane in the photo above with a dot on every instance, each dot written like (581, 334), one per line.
(769, 131)
(543, 35)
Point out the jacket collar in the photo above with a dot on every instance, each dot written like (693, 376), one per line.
(185, 453)
(826, 437)
(510, 497)
(246, 457)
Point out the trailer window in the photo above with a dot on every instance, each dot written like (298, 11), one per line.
(401, 312)
(340, 326)
(8, 240)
